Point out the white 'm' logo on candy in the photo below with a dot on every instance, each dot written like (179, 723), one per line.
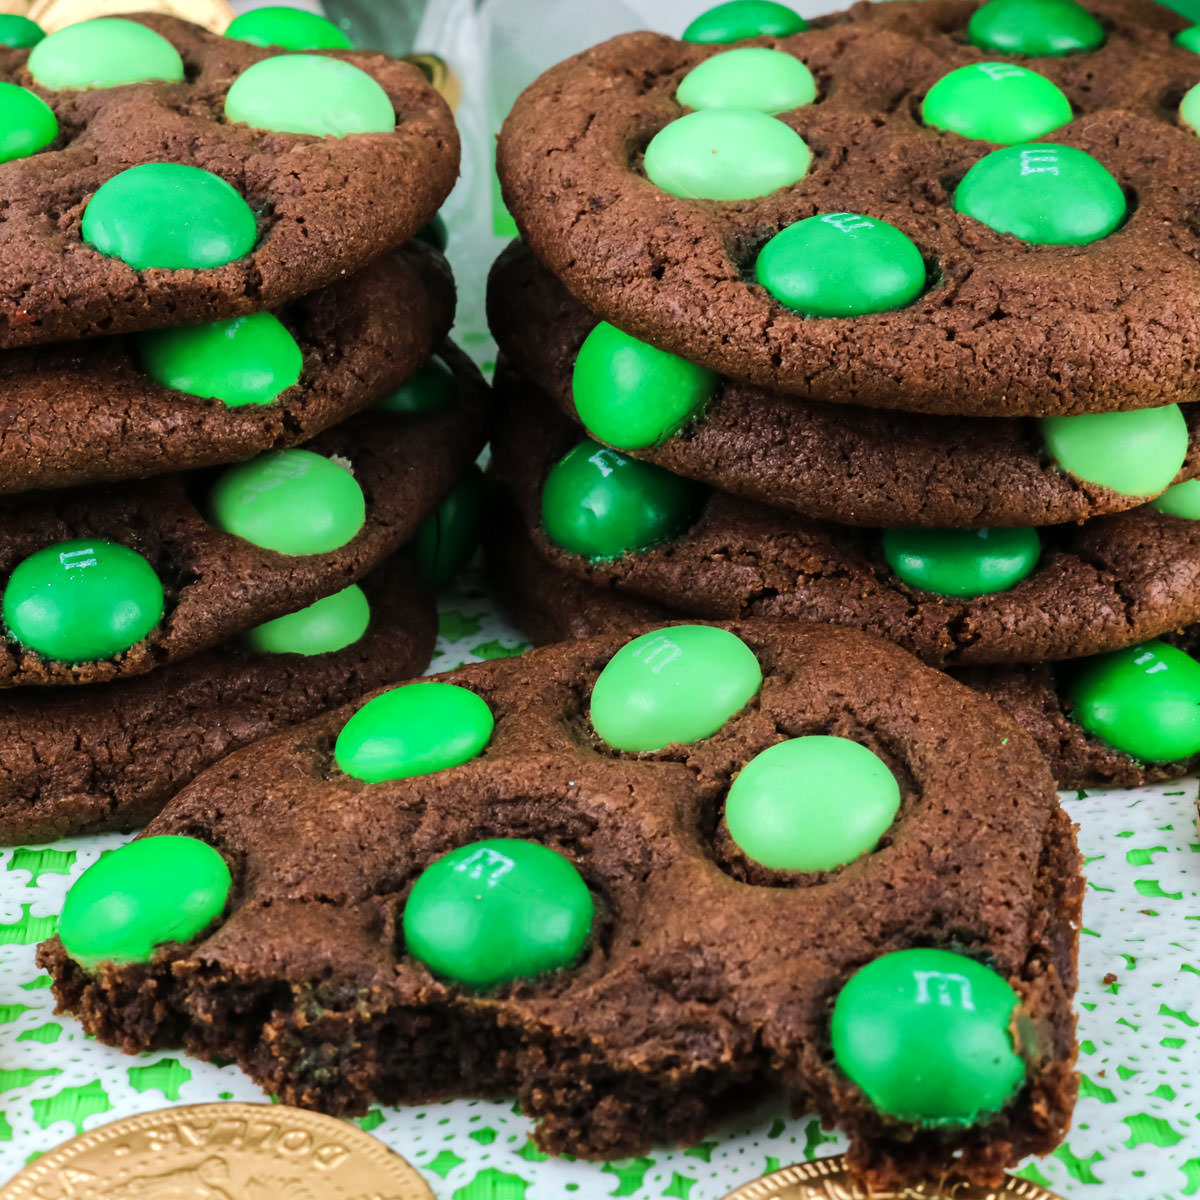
(658, 653)
(846, 222)
(488, 865)
(937, 987)
(73, 560)
(1042, 161)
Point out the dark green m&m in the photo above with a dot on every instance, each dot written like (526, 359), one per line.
(1182, 500)
(136, 898)
(19, 33)
(435, 234)
(962, 562)
(739, 19)
(82, 600)
(431, 388)
(245, 360)
(601, 504)
(841, 265)
(1044, 194)
(494, 911)
(1189, 39)
(1035, 27)
(288, 28)
(27, 123)
(413, 730)
(324, 627)
(679, 684)
(631, 394)
(445, 542)
(996, 102)
(107, 52)
(1144, 700)
(753, 77)
(927, 1035)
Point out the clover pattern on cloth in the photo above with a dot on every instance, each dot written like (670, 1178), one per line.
(1136, 1134)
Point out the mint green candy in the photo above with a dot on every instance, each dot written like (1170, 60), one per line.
(308, 93)
(432, 388)
(107, 52)
(1135, 453)
(1144, 700)
(739, 19)
(1044, 194)
(324, 627)
(811, 804)
(1038, 28)
(245, 360)
(141, 896)
(1189, 109)
(631, 394)
(676, 685)
(445, 542)
(962, 562)
(416, 729)
(841, 265)
(726, 154)
(27, 123)
(1182, 500)
(753, 77)
(19, 33)
(289, 28)
(996, 102)
(291, 501)
(1189, 39)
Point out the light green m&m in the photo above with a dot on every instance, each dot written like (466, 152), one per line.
(739, 19)
(631, 394)
(1182, 500)
(726, 154)
(753, 77)
(927, 1035)
(27, 123)
(679, 684)
(996, 102)
(1135, 453)
(494, 911)
(433, 387)
(106, 52)
(598, 503)
(308, 93)
(1049, 28)
(82, 600)
(324, 627)
(19, 33)
(445, 542)
(413, 730)
(136, 898)
(841, 265)
(1189, 39)
(245, 360)
(962, 562)
(289, 28)
(811, 804)
(1189, 109)
(291, 501)
(1144, 700)
(169, 215)
(1044, 194)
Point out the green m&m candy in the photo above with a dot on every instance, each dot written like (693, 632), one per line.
(413, 730)
(598, 503)
(962, 562)
(103, 53)
(308, 93)
(27, 123)
(19, 32)
(1044, 194)
(841, 265)
(996, 102)
(726, 154)
(82, 600)
(1135, 453)
(631, 394)
(289, 28)
(679, 684)
(431, 388)
(1144, 700)
(927, 1035)
(291, 501)
(1182, 500)
(435, 234)
(740, 19)
(324, 627)
(136, 898)
(1039, 28)
(753, 77)
(494, 911)
(1189, 39)
(811, 804)
(245, 360)
(444, 543)
(1189, 109)
(169, 215)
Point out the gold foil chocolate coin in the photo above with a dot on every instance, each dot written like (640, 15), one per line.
(441, 78)
(221, 1152)
(53, 15)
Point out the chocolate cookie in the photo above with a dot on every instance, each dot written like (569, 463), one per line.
(86, 760)
(993, 296)
(837, 462)
(92, 411)
(1075, 590)
(651, 977)
(116, 580)
(92, 241)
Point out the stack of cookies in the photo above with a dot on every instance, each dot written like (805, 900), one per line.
(886, 321)
(228, 402)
